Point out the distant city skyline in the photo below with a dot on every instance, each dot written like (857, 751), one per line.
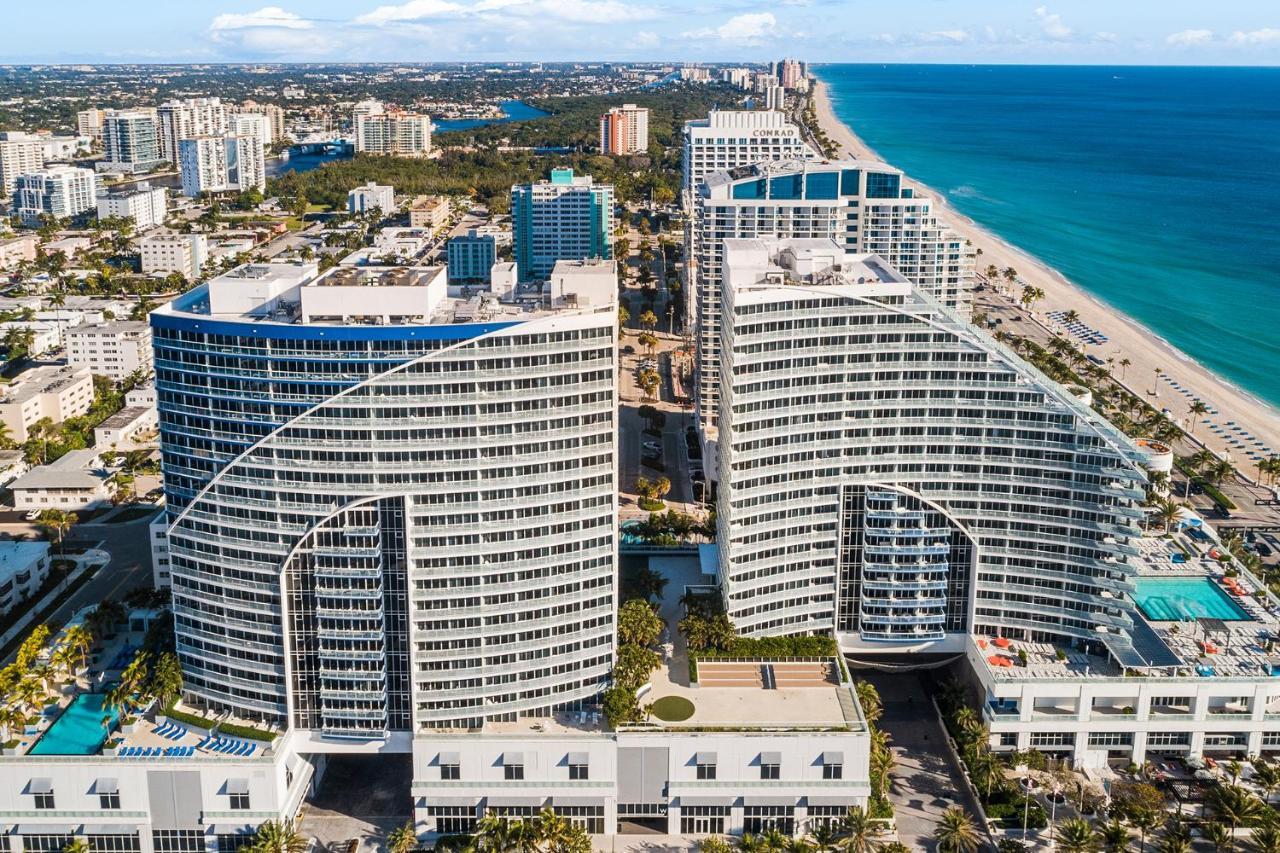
(1181, 32)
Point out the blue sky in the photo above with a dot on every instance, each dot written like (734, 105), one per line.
(1233, 32)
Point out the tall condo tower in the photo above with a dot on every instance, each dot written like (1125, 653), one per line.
(866, 205)
(568, 218)
(892, 474)
(390, 510)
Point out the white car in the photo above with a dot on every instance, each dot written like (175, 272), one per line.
(32, 515)
(652, 447)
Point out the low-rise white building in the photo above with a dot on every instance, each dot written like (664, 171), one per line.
(184, 254)
(45, 337)
(127, 428)
(364, 199)
(24, 566)
(145, 205)
(75, 481)
(116, 349)
(16, 249)
(55, 391)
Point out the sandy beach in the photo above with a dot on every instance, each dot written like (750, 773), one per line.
(1183, 380)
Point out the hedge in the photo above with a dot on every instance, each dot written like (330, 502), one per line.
(229, 729)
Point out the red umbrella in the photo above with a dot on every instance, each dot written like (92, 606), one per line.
(1002, 642)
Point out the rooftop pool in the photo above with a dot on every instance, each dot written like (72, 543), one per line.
(80, 729)
(1179, 599)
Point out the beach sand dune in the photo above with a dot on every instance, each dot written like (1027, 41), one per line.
(1182, 380)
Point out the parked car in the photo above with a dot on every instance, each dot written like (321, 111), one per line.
(652, 446)
(32, 515)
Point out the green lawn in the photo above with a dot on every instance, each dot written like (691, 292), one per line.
(673, 709)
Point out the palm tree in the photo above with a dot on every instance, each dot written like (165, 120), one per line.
(1145, 821)
(59, 522)
(714, 844)
(1167, 512)
(858, 832)
(1115, 837)
(823, 834)
(402, 839)
(648, 319)
(869, 699)
(1234, 805)
(79, 639)
(956, 832)
(10, 718)
(278, 837)
(1219, 471)
(1071, 316)
(165, 683)
(1075, 835)
(1176, 844)
(76, 845)
(1218, 835)
(1266, 838)
(1198, 408)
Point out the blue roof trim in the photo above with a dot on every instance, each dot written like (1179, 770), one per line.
(287, 332)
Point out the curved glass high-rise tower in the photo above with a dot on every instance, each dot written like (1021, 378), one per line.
(390, 509)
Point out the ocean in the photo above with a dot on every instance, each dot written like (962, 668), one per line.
(1155, 189)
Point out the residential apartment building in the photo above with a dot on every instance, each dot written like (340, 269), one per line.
(53, 391)
(391, 132)
(185, 254)
(430, 212)
(143, 204)
(118, 349)
(20, 154)
(274, 114)
(60, 192)
(16, 249)
(372, 196)
(569, 217)
(545, 501)
(222, 163)
(74, 481)
(471, 257)
(130, 142)
(891, 474)
(89, 123)
(624, 130)
(866, 205)
(726, 139)
(24, 567)
(790, 73)
(189, 119)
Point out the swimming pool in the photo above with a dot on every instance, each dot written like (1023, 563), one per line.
(1183, 598)
(79, 731)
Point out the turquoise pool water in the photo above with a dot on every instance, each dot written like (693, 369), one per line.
(79, 731)
(1176, 599)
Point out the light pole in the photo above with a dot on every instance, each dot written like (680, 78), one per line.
(671, 320)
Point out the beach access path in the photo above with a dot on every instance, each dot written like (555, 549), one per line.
(1237, 412)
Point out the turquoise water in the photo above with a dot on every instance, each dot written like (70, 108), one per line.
(1178, 599)
(1155, 189)
(79, 731)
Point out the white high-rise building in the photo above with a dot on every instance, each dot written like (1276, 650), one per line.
(457, 567)
(222, 163)
(20, 154)
(726, 139)
(866, 205)
(390, 132)
(144, 204)
(275, 115)
(890, 473)
(89, 123)
(188, 119)
(565, 218)
(130, 141)
(58, 191)
(775, 98)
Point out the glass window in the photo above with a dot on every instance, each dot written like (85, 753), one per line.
(513, 771)
(706, 771)
(239, 802)
(44, 801)
(578, 771)
(450, 771)
(833, 771)
(822, 185)
(770, 771)
(109, 801)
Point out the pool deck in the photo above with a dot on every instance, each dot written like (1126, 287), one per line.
(1231, 648)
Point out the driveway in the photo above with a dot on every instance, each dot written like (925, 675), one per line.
(926, 782)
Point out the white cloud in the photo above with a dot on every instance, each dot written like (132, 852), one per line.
(1189, 38)
(751, 28)
(1105, 36)
(1263, 36)
(414, 10)
(944, 36)
(1051, 24)
(573, 11)
(644, 39)
(267, 16)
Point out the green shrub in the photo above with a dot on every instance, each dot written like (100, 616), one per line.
(650, 505)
